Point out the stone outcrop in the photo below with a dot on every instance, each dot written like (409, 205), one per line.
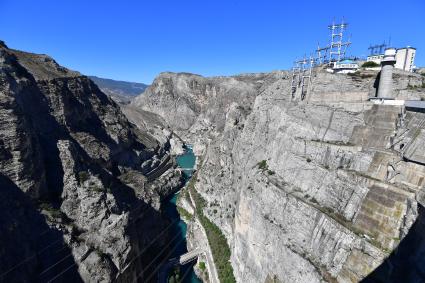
(81, 186)
(317, 190)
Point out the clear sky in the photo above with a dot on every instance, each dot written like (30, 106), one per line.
(135, 40)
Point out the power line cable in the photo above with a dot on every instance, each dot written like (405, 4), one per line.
(144, 250)
(150, 243)
(186, 274)
(51, 244)
(166, 257)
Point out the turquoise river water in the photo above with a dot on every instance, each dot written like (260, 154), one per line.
(186, 160)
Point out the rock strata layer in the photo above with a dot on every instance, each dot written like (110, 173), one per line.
(81, 186)
(326, 189)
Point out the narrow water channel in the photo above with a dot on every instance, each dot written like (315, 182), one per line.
(184, 161)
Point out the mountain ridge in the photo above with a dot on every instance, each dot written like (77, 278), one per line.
(121, 91)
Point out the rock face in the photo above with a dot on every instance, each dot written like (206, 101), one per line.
(81, 186)
(193, 105)
(317, 190)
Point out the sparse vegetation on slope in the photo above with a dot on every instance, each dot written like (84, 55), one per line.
(217, 241)
(370, 64)
(184, 213)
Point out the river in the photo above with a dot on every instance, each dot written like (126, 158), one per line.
(186, 160)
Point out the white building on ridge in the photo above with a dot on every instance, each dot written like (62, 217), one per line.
(405, 58)
(345, 66)
(377, 58)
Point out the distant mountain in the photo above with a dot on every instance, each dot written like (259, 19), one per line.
(121, 91)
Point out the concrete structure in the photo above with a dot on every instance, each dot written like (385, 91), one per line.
(415, 105)
(377, 58)
(190, 256)
(393, 102)
(386, 78)
(405, 58)
(181, 260)
(345, 67)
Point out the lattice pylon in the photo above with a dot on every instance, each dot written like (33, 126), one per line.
(295, 81)
(336, 52)
(306, 76)
(322, 54)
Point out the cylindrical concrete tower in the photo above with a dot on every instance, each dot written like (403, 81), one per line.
(386, 80)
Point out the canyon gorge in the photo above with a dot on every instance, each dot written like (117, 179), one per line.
(329, 188)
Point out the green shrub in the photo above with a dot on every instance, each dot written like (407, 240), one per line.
(370, 64)
(51, 210)
(83, 176)
(95, 188)
(202, 266)
(174, 275)
(262, 165)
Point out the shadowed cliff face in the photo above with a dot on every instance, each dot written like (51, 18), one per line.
(304, 191)
(25, 236)
(71, 164)
(404, 262)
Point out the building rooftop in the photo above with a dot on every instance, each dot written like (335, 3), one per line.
(347, 61)
(407, 47)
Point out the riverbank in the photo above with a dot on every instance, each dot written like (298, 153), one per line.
(179, 231)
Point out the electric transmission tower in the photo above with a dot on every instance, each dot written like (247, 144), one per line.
(308, 64)
(296, 77)
(322, 54)
(377, 49)
(338, 47)
(302, 70)
(301, 76)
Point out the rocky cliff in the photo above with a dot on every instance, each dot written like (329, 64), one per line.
(314, 190)
(196, 107)
(80, 185)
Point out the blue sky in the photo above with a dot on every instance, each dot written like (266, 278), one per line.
(136, 40)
